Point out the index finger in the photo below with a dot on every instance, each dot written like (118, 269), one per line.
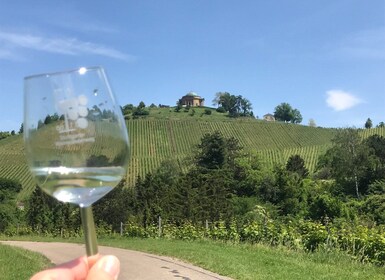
(76, 269)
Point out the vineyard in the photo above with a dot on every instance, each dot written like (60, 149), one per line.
(154, 140)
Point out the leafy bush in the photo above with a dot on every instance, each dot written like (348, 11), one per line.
(374, 207)
(325, 206)
(221, 109)
(377, 187)
(208, 112)
(132, 230)
(140, 112)
(313, 235)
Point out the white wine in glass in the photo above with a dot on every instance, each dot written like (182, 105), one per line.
(76, 140)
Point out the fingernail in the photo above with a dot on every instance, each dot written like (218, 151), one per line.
(111, 265)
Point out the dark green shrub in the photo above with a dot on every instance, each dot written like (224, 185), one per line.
(221, 110)
(374, 207)
(208, 111)
(325, 206)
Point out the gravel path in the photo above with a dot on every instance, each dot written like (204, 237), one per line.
(134, 264)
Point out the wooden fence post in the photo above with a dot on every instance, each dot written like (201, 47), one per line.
(159, 226)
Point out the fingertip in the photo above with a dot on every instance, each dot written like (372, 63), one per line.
(106, 268)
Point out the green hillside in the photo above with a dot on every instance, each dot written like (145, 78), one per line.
(162, 136)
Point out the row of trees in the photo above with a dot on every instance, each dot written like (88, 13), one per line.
(5, 134)
(354, 164)
(369, 124)
(234, 105)
(238, 106)
(223, 183)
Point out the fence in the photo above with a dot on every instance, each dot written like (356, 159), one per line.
(159, 226)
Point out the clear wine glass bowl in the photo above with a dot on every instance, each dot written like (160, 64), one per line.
(75, 135)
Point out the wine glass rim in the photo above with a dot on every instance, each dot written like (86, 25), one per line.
(80, 70)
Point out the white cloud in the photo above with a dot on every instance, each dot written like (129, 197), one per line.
(341, 100)
(10, 42)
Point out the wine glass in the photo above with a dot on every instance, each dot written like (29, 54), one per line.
(76, 139)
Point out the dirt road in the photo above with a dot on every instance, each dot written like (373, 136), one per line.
(134, 265)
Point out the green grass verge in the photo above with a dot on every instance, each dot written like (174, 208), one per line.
(245, 261)
(17, 263)
(238, 261)
(242, 261)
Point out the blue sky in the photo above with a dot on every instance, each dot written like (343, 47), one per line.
(325, 58)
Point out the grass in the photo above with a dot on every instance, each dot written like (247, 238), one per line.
(192, 113)
(17, 263)
(245, 261)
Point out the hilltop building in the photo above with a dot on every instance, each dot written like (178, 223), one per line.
(192, 99)
(269, 117)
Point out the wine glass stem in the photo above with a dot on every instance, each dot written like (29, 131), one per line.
(89, 230)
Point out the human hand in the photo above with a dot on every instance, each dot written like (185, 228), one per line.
(83, 268)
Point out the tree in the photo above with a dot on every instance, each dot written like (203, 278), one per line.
(187, 197)
(215, 201)
(284, 112)
(374, 206)
(178, 106)
(162, 193)
(210, 183)
(324, 205)
(141, 105)
(45, 213)
(48, 119)
(225, 100)
(296, 164)
(245, 106)
(349, 161)
(212, 151)
(376, 144)
(283, 189)
(8, 210)
(296, 116)
(249, 173)
(127, 109)
(353, 163)
(222, 99)
(381, 124)
(115, 207)
(21, 130)
(235, 105)
(140, 110)
(368, 123)
(215, 151)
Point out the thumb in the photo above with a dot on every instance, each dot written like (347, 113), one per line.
(106, 268)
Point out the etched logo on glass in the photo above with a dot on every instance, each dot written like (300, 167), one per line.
(75, 112)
